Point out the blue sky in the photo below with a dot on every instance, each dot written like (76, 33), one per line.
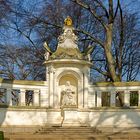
(11, 36)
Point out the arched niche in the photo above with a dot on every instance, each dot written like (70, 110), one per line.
(75, 81)
(68, 77)
(70, 74)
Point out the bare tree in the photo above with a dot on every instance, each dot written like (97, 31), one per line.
(20, 63)
(105, 25)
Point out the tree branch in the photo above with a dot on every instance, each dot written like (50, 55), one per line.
(121, 43)
(100, 71)
(26, 36)
(116, 11)
(92, 37)
(111, 20)
(87, 7)
(103, 7)
(48, 23)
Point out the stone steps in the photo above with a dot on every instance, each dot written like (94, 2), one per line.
(72, 133)
(72, 137)
(65, 131)
(68, 130)
(57, 137)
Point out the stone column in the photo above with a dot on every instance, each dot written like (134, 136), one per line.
(85, 85)
(126, 98)
(99, 99)
(47, 74)
(36, 98)
(80, 94)
(113, 98)
(138, 97)
(86, 88)
(56, 92)
(22, 97)
(9, 97)
(51, 72)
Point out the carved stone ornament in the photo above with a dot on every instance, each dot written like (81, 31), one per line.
(51, 69)
(67, 47)
(67, 43)
(68, 39)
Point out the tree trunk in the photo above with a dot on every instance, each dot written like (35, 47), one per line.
(108, 53)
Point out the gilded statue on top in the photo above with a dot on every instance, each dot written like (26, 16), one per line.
(68, 21)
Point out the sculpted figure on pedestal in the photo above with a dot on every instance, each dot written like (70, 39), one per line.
(68, 95)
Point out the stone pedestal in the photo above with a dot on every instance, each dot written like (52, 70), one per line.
(73, 117)
(70, 118)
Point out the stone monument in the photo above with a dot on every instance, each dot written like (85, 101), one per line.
(67, 68)
(68, 73)
(67, 97)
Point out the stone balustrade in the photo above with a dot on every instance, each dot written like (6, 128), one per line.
(129, 99)
(36, 94)
(96, 99)
(22, 99)
(23, 93)
(119, 94)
